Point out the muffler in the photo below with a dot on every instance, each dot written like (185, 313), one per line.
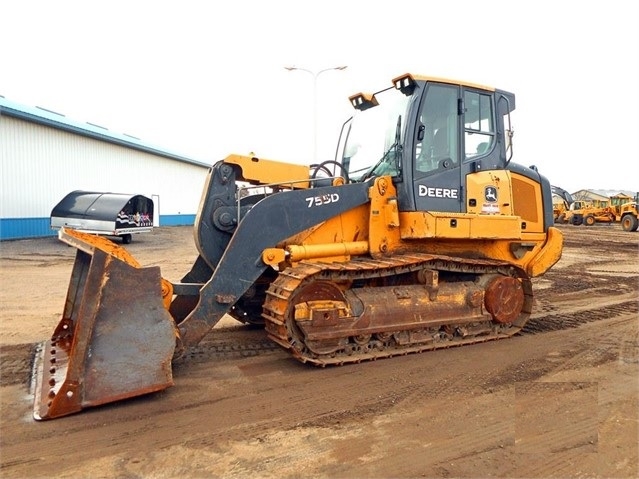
(116, 338)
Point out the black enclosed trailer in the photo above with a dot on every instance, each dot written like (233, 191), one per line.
(109, 214)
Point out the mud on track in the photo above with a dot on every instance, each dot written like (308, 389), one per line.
(558, 400)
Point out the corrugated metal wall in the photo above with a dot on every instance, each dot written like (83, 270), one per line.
(39, 165)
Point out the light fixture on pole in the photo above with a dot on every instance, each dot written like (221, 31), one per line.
(315, 75)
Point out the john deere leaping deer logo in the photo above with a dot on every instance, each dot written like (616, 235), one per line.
(490, 194)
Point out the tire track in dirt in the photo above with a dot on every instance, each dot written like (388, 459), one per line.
(251, 388)
(16, 361)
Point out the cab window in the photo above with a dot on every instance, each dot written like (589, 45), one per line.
(436, 146)
(479, 125)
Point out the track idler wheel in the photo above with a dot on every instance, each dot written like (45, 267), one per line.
(504, 299)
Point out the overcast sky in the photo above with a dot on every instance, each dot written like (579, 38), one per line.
(206, 79)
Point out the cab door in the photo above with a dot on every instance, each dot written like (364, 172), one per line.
(437, 179)
(480, 147)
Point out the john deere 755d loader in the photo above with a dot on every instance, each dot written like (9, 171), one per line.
(421, 234)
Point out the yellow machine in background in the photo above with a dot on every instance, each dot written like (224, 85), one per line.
(420, 234)
(626, 212)
(585, 213)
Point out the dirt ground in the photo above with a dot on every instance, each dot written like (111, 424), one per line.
(560, 399)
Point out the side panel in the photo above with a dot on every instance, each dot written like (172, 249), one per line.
(422, 225)
(489, 193)
(539, 216)
(528, 203)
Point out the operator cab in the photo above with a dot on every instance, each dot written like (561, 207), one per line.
(428, 134)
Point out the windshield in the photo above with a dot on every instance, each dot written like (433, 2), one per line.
(372, 140)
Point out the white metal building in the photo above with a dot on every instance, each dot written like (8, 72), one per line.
(45, 155)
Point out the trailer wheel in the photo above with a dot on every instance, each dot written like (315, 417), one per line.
(126, 239)
(589, 220)
(629, 223)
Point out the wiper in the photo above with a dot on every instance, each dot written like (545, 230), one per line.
(394, 147)
(371, 171)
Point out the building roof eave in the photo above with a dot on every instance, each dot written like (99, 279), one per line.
(58, 121)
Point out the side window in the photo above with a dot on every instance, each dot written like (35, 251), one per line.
(479, 124)
(436, 146)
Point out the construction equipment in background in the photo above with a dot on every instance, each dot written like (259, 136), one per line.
(626, 212)
(421, 234)
(585, 213)
(579, 212)
(574, 211)
(560, 209)
(559, 213)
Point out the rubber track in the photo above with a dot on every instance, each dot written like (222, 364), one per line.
(289, 281)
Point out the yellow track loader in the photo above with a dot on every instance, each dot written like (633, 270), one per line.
(421, 234)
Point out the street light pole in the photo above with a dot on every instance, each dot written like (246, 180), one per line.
(315, 75)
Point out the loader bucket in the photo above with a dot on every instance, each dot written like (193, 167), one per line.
(116, 337)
